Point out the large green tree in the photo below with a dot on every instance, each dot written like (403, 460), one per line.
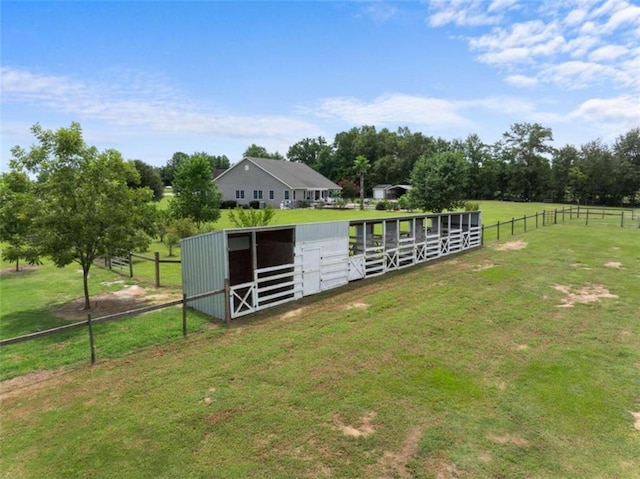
(168, 171)
(17, 203)
(527, 147)
(196, 195)
(439, 182)
(149, 177)
(257, 151)
(84, 208)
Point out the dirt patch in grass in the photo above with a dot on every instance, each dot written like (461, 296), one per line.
(292, 314)
(363, 430)
(613, 264)
(356, 305)
(486, 264)
(586, 294)
(128, 298)
(511, 245)
(394, 464)
(23, 270)
(30, 383)
(508, 439)
(636, 420)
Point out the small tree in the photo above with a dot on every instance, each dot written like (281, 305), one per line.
(16, 219)
(246, 218)
(84, 208)
(439, 182)
(361, 166)
(177, 229)
(196, 195)
(349, 189)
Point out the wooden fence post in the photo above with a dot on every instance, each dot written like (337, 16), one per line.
(513, 221)
(525, 223)
(498, 228)
(91, 342)
(130, 265)
(587, 222)
(622, 219)
(157, 261)
(482, 235)
(184, 315)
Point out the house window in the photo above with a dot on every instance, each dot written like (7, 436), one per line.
(239, 194)
(257, 194)
(271, 195)
(286, 194)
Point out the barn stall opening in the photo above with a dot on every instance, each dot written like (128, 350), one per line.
(266, 266)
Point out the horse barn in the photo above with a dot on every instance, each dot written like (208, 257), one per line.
(256, 268)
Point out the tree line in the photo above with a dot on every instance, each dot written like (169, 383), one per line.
(523, 165)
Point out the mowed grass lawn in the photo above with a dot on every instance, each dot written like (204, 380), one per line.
(495, 363)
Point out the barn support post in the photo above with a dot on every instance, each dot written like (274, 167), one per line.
(156, 257)
(227, 299)
(130, 266)
(92, 345)
(184, 315)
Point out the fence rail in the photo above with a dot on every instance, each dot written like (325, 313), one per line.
(122, 262)
(628, 217)
(89, 322)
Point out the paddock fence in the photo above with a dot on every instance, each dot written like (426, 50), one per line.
(90, 322)
(591, 216)
(125, 264)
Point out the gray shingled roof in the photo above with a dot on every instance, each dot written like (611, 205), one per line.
(294, 175)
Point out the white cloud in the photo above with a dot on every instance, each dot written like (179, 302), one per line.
(521, 81)
(608, 53)
(613, 114)
(462, 13)
(142, 103)
(380, 12)
(575, 44)
(394, 109)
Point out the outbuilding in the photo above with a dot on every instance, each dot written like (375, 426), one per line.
(266, 266)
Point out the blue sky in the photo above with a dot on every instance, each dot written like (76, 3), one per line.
(152, 78)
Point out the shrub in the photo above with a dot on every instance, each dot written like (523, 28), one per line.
(254, 204)
(228, 204)
(382, 205)
(470, 206)
(242, 218)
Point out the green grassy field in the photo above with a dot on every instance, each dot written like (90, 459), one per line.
(486, 364)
